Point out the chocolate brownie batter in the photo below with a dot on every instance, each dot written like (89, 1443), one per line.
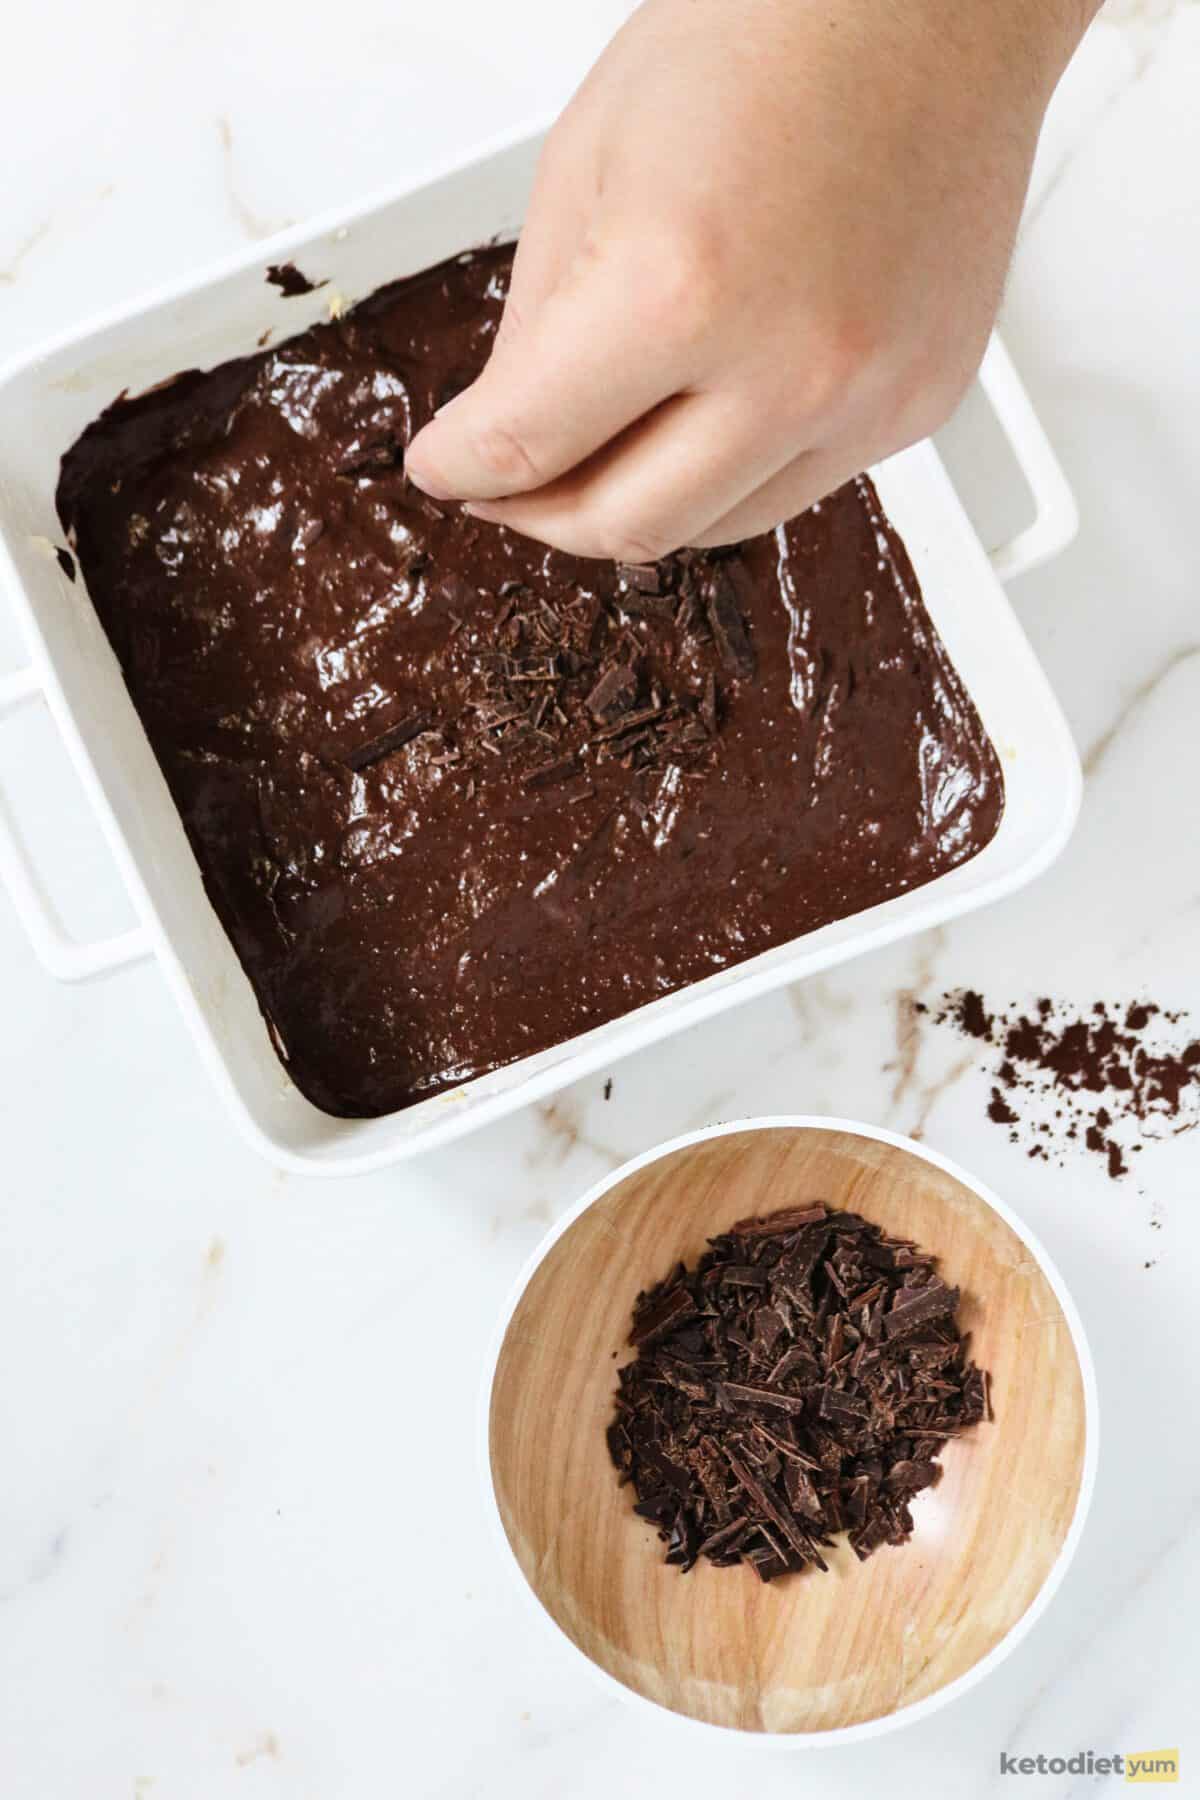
(457, 797)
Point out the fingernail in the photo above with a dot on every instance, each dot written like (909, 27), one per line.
(480, 509)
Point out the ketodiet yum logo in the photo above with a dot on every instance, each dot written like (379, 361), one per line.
(1140, 1765)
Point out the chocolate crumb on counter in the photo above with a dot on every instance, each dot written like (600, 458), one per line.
(799, 1382)
(1106, 1078)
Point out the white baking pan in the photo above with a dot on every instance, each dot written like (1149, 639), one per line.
(47, 399)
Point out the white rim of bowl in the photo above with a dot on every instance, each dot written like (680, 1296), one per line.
(904, 1715)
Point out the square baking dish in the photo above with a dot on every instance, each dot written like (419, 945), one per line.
(46, 400)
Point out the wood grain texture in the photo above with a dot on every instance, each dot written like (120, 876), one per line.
(811, 1652)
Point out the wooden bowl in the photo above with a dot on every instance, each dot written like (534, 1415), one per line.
(868, 1645)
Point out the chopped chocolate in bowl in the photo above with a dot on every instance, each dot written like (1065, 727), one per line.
(457, 798)
(766, 1412)
(798, 1383)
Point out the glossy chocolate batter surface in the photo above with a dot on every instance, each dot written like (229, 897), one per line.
(457, 797)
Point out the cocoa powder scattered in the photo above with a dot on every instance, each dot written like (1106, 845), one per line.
(1107, 1079)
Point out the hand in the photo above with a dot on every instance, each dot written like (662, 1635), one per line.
(765, 248)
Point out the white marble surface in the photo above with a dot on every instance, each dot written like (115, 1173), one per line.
(209, 1586)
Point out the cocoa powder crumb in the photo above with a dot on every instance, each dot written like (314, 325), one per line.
(999, 1111)
(1115, 1073)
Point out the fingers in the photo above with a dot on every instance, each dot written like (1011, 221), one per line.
(574, 374)
(657, 486)
(806, 479)
(563, 193)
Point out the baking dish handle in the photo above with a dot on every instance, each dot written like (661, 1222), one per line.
(1056, 516)
(61, 954)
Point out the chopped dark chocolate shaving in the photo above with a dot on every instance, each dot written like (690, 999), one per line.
(644, 577)
(372, 459)
(797, 1383)
(789, 1220)
(638, 605)
(772, 1398)
(644, 715)
(387, 741)
(708, 705)
(547, 774)
(662, 1315)
(614, 693)
(913, 1307)
(729, 628)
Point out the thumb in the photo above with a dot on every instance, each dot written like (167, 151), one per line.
(579, 369)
